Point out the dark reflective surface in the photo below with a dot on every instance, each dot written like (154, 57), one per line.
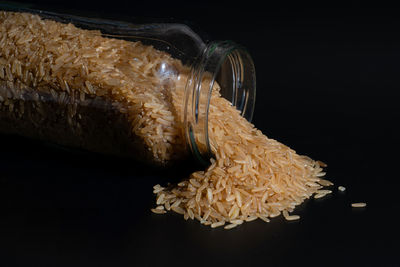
(327, 86)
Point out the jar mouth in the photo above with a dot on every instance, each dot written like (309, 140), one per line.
(228, 67)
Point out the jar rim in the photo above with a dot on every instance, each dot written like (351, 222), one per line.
(231, 67)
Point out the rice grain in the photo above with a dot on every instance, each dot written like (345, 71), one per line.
(359, 205)
(342, 188)
(230, 226)
(217, 224)
(158, 211)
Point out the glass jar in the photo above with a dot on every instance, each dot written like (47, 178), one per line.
(192, 66)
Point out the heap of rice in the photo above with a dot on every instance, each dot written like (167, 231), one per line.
(251, 176)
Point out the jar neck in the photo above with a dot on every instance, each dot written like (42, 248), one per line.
(223, 66)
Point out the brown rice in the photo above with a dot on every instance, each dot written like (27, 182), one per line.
(60, 83)
(252, 176)
(359, 205)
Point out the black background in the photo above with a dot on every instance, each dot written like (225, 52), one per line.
(327, 86)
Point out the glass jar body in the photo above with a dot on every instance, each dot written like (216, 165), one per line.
(139, 90)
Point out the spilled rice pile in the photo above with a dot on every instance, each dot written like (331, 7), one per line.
(251, 176)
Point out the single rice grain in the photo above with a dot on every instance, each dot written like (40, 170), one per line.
(359, 205)
(342, 188)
